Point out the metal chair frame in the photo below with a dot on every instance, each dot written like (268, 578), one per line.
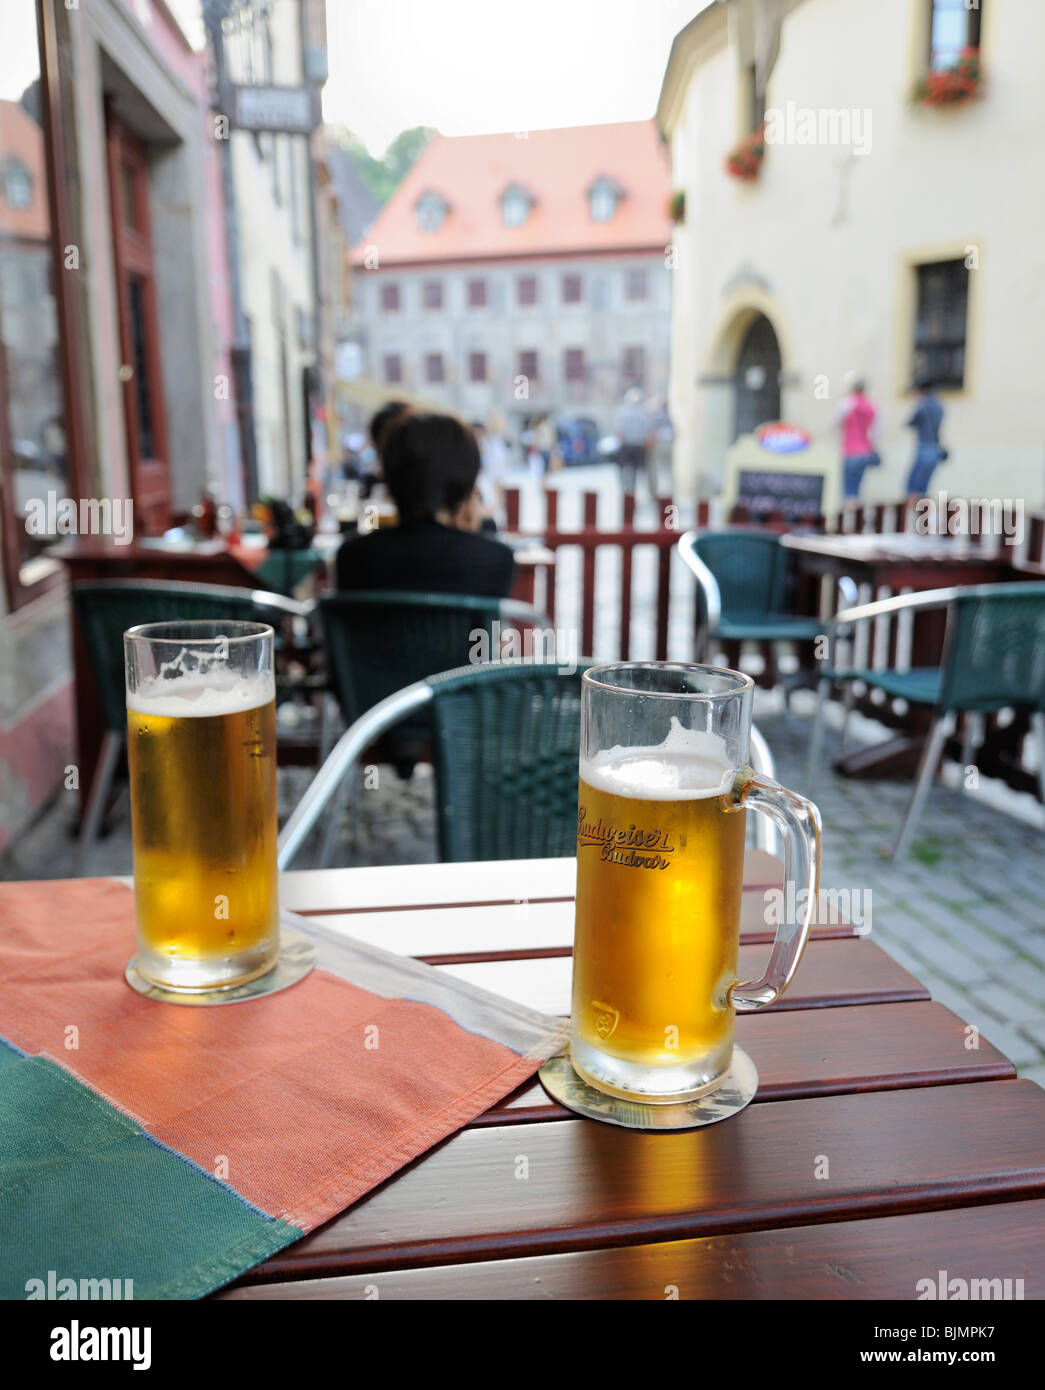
(712, 594)
(944, 719)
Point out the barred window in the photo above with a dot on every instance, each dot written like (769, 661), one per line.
(393, 367)
(528, 363)
(477, 366)
(940, 323)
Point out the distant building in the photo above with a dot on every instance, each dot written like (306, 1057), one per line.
(279, 47)
(881, 235)
(522, 274)
(346, 209)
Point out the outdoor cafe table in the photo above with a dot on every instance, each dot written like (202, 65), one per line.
(892, 563)
(886, 1142)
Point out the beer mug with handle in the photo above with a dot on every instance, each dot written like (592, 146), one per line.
(201, 751)
(665, 785)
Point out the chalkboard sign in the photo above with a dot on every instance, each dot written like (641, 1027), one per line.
(793, 495)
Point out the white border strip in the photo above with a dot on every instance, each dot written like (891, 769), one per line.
(535, 1036)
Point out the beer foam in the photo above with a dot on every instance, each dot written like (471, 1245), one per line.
(690, 764)
(189, 697)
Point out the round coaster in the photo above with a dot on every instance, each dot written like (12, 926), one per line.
(297, 956)
(564, 1085)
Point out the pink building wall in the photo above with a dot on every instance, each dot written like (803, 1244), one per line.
(171, 45)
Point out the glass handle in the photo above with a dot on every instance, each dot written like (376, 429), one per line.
(799, 821)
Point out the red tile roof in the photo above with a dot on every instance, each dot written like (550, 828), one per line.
(556, 167)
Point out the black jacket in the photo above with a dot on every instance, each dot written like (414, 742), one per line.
(426, 557)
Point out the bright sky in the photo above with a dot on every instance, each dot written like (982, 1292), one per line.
(472, 67)
(19, 57)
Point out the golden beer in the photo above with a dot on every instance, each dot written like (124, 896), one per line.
(659, 882)
(202, 761)
(665, 786)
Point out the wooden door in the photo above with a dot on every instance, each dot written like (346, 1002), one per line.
(140, 366)
(757, 378)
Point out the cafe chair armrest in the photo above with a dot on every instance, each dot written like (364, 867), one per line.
(279, 604)
(901, 603)
(706, 581)
(517, 611)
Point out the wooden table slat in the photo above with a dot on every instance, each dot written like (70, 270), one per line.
(852, 970)
(869, 1048)
(396, 886)
(885, 1257)
(545, 1188)
(494, 931)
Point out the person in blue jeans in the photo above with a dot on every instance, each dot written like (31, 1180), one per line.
(925, 420)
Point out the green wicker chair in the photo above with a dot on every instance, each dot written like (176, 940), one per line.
(104, 610)
(741, 588)
(380, 640)
(993, 659)
(505, 742)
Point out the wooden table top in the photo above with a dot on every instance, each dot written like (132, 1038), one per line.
(901, 558)
(898, 545)
(882, 1145)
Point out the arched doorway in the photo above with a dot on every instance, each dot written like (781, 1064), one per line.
(756, 377)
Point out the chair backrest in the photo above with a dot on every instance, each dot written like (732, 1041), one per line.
(750, 568)
(284, 570)
(380, 640)
(995, 652)
(106, 608)
(504, 747)
(505, 739)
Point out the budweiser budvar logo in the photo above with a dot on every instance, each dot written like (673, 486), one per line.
(630, 846)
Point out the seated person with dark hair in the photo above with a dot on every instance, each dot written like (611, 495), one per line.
(382, 421)
(430, 465)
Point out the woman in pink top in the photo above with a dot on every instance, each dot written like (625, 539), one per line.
(856, 421)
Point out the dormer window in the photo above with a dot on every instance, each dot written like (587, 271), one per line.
(603, 198)
(516, 202)
(430, 210)
(18, 185)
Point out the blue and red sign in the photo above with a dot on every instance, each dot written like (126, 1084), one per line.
(779, 438)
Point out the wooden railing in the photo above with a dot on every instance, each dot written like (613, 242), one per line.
(580, 601)
(589, 539)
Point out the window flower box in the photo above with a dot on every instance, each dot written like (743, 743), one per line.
(954, 85)
(745, 159)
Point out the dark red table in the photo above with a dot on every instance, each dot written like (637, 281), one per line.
(879, 1150)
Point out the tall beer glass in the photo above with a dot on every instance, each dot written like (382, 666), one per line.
(201, 746)
(664, 787)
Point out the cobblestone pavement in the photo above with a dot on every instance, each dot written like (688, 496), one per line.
(965, 912)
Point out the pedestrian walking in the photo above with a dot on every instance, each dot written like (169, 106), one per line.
(633, 430)
(925, 420)
(856, 421)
